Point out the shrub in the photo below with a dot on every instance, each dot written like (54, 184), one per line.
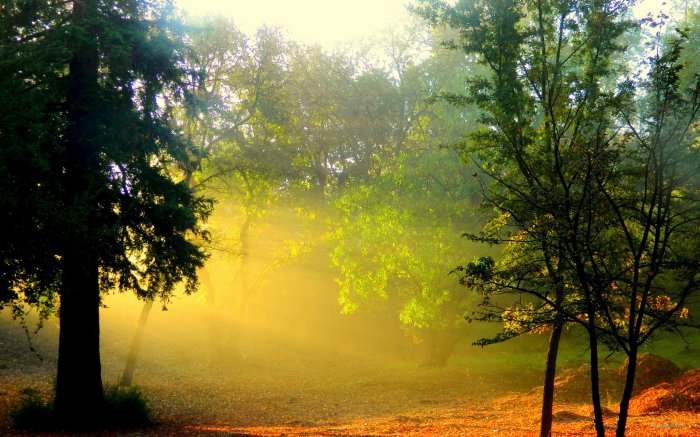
(123, 407)
(33, 412)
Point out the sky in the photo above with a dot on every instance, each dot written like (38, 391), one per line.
(324, 22)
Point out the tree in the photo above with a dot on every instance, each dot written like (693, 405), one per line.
(231, 84)
(254, 157)
(548, 112)
(121, 214)
(403, 195)
(390, 246)
(646, 262)
(30, 84)
(587, 174)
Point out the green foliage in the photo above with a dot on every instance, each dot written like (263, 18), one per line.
(30, 81)
(547, 90)
(592, 171)
(396, 236)
(94, 173)
(142, 216)
(561, 192)
(479, 271)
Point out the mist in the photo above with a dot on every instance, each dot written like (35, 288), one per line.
(285, 359)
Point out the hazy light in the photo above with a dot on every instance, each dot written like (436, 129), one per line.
(332, 22)
(324, 22)
(643, 8)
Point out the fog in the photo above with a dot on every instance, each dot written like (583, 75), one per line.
(283, 351)
(277, 308)
(285, 357)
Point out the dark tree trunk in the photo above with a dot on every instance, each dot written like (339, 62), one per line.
(595, 383)
(549, 376)
(128, 375)
(78, 379)
(79, 375)
(627, 392)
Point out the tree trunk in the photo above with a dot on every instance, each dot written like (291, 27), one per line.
(549, 376)
(215, 319)
(79, 374)
(128, 374)
(627, 392)
(78, 379)
(442, 346)
(242, 295)
(595, 383)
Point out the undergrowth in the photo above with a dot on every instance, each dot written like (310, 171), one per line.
(123, 407)
(33, 412)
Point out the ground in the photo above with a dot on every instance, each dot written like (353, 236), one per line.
(483, 392)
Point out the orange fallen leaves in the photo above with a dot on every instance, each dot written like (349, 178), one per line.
(681, 395)
(521, 420)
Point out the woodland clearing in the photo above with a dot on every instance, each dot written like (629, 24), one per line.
(322, 395)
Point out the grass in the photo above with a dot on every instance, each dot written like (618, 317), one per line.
(123, 407)
(529, 352)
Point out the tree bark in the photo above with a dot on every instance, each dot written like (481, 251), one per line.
(595, 383)
(128, 375)
(627, 392)
(242, 296)
(549, 377)
(79, 373)
(78, 379)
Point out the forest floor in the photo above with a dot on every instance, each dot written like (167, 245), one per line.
(324, 395)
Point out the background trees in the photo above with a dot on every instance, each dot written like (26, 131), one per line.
(397, 232)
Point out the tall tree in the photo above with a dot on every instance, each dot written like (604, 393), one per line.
(593, 173)
(645, 264)
(548, 102)
(123, 214)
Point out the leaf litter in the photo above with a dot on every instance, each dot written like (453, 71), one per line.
(353, 398)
